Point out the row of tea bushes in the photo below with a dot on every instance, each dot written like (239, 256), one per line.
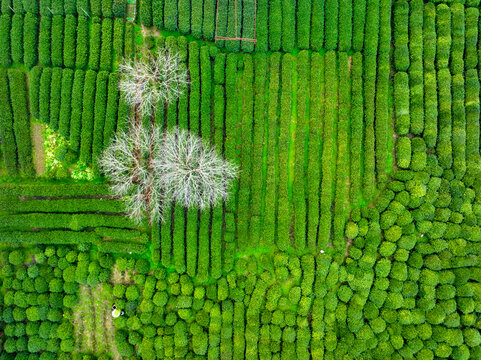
(93, 8)
(83, 106)
(64, 41)
(227, 95)
(70, 214)
(278, 25)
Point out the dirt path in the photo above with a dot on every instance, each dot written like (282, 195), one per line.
(150, 31)
(38, 151)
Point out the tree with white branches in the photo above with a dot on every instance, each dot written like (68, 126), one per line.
(191, 171)
(155, 77)
(152, 170)
(128, 162)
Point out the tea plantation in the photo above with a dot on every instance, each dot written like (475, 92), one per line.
(352, 230)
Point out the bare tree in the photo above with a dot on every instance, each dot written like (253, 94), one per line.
(153, 78)
(151, 170)
(192, 173)
(128, 163)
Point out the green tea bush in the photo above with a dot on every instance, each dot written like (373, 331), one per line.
(145, 12)
(57, 40)
(55, 88)
(69, 41)
(87, 116)
(317, 26)
(76, 115)
(331, 24)
(472, 17)
(16, 38)
(65, 102)
(30, 30)
(9, 148)
(106, 45)
(82, 49)
(401, 51)
(94, 44)
(458, 38)
(443, 31)
(21, 121)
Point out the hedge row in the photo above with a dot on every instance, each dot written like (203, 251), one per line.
(444, 145)
(369, 77)
(204, 261)
(69, 41)
(61, 41)
(55, 89)
(21, 120)
(94, 45)
(356, 128)
(472, 120)
(44, 41)
(284, 210)
(416, 68)
(328, 164)
(331, 12)
(298, 190)
(458, 37)
(5, 55)
(118, 41)
(58, 237)
(193, 120)
(231, 129)
(121, 247)
(260, 73)
(401, 37)
(269, 233)
(16, 39)
(401, 103)
(75, 222)
(88, 101)
(472, 19)
(66, 102)
(62, 205)
(82, 49)
(444, 39)
(382, 121)
(106, 57)
(243, 208)
(218, 211)
(459, 127)
(57, 40)
(53, 190)
(99, 115)
(342, 161)
(76, 115)
(111, 111)
(30, 30)
(316, 109)
(431, 109)
(9, 147)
